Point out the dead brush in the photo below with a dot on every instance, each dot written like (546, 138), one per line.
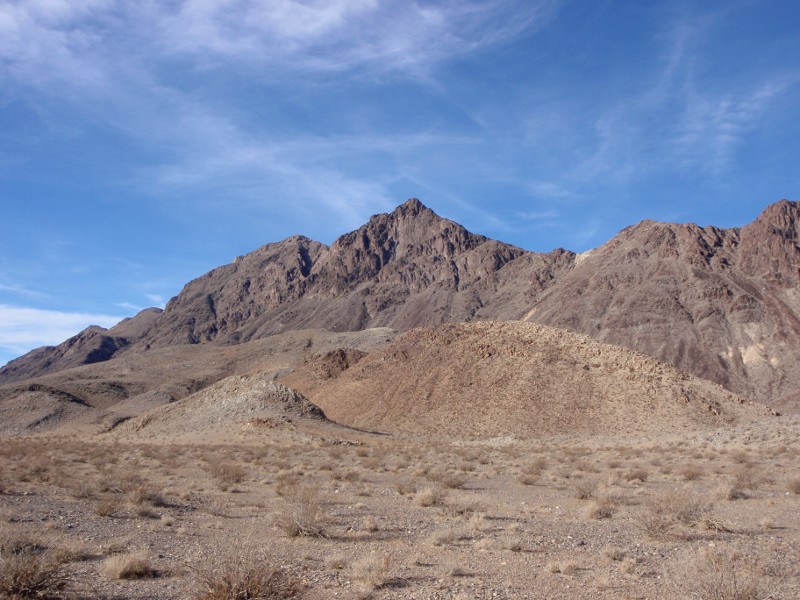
(27, 571)
(303, 514)
(128, 566)
(243, 577)
(584, 488)
(720, 574)
(372, 572)
(661, 515)
(226, 474)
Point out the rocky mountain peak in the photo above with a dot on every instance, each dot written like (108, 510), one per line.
(769, 245)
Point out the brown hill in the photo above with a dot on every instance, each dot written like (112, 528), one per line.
(233, 405)
(100, 396)
(487, 379)
(722, 304)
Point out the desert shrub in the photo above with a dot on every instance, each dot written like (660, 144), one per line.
(690, 472)
(430, 497)
(128, 566)
(226, 474)
(721, 574)
(602, 507)
(373, 571)
(567, 567)
(636, 474)
(453, 481)
(663, 513)
(244, 578)
(729, 491)
(584, 489)
(303, 514)
(405, 485)
(108, 506)
(28, 572)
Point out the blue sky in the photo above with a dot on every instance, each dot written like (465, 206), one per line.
(144, 143)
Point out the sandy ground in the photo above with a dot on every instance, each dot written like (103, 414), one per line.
(350, 515)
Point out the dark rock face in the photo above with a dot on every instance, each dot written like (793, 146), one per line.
(722, 304)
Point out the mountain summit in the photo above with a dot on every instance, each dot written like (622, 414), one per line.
(723, 304)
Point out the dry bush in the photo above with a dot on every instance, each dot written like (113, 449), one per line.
(793, 485)
(721, 574)
(749, 479)
(142, 494)
(566, 567)
(614, 553)
(602, 507)
(128, 566)
(443, 537)
(729, 491)
(226, 474)
(372, 572)
(636, 474)
(430, 497)
(584, 489)
(663, 513)
(690, 472)
(108, 506)
(405, 485)
(303, 514)
(27, 571)
(244, 578)
(454, 481)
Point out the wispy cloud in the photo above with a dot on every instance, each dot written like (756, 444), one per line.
(156, 299)
(114, 63)
(23, 329)
(711, 128)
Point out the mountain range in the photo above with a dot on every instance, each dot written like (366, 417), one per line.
(720, 304)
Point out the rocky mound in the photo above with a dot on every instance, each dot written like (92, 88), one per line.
(511, 378)
(39, 408)
(239, 401)
(111, 392)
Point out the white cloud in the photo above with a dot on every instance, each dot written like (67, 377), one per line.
(22, 329)
(712, 127)
(156, 299)
(114, 64)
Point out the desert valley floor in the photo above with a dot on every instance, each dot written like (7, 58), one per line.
(332, 513)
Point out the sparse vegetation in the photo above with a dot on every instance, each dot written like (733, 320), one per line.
(303, 514)
(28, 571)
(135, 565)
(244, 577)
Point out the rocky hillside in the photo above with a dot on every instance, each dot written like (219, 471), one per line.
(487, 379)
(400, 270)
(722, 304)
